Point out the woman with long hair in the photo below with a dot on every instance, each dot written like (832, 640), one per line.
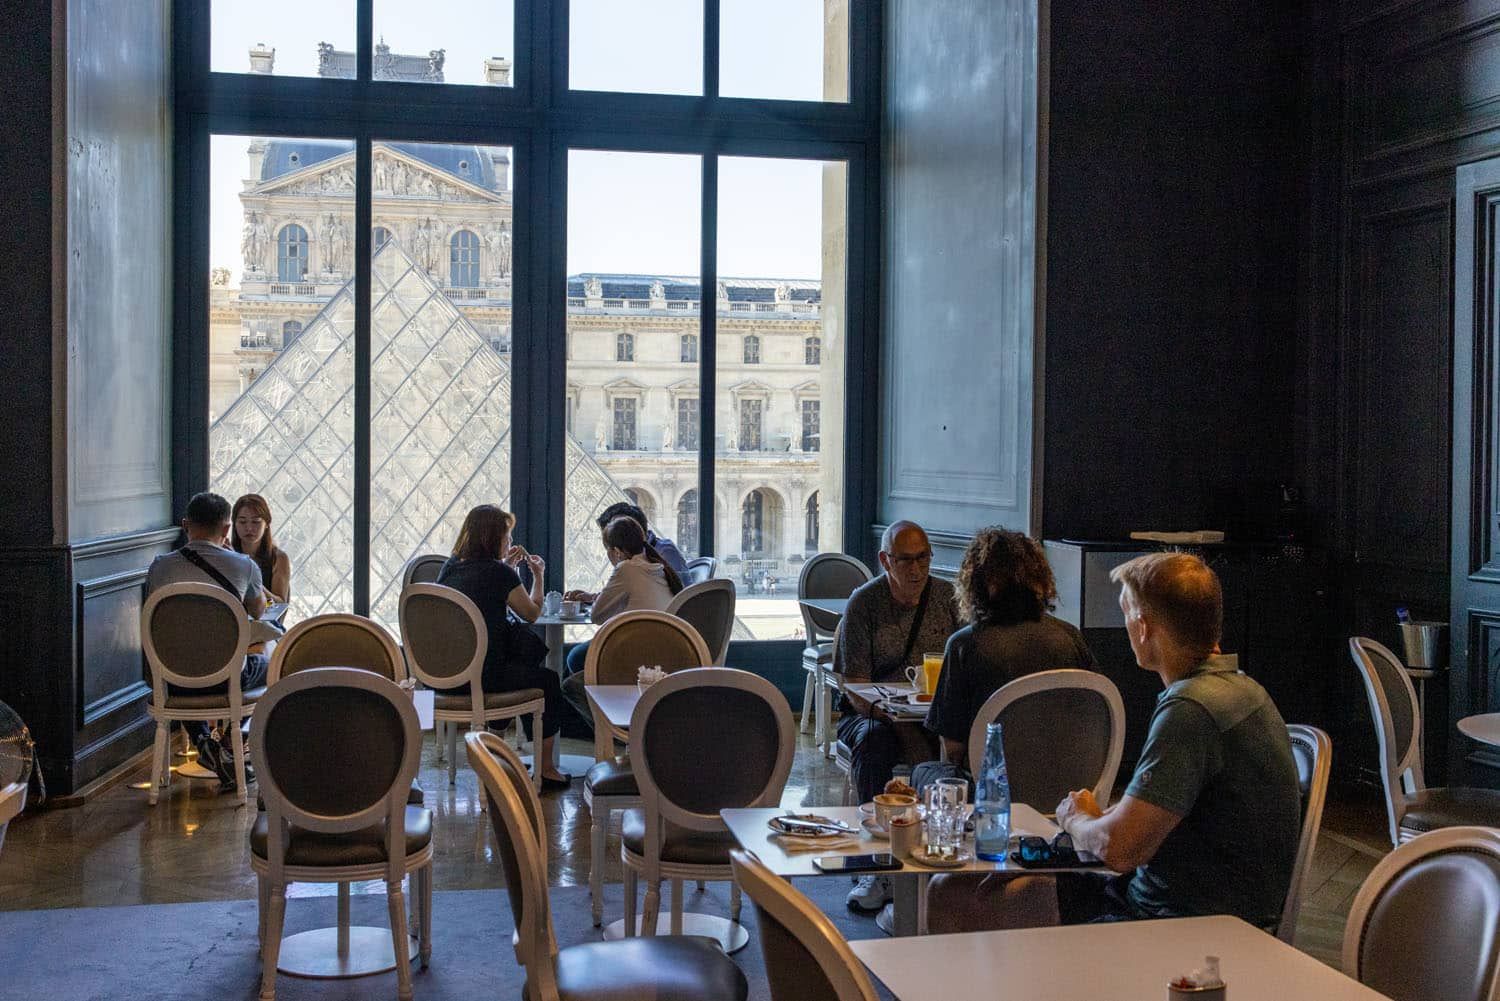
(484, 567)
(250, 533)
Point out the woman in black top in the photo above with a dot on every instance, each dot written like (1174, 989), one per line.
(483, 568)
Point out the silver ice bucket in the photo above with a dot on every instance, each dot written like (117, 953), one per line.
(1426, 644)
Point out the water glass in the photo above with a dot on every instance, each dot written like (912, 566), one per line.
(946, 812)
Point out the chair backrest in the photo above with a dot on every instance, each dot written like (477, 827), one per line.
(516, 817)
(807, 959)
(642, 637)
(336, 750)
(194, 635)
(706, 740)
(709, 608)
(1063, 730)
(444, 636)
(1313, 752)
(698, 570)
(1398, 725)
(422, 569)
(828, 575)
(337, 639)
(1424, 923)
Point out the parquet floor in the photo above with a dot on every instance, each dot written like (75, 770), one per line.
(191, 846)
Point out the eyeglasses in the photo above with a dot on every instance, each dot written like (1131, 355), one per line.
(1059, 849)
(920, 559)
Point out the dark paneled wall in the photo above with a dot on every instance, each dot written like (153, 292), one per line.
(1172, 226)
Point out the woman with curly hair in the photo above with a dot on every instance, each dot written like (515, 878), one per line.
(1005, 592)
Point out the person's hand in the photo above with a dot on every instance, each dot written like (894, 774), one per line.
(582, 596)
(1080, 803)
(537, 564)
(513, 556)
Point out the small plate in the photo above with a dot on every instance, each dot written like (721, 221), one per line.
(915, 699)
(874, 830)
(919, 855)
(775, 824)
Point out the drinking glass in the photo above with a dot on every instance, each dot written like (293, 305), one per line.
(946, 810)
(932, 666)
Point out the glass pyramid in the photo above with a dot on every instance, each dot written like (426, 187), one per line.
(440, 444)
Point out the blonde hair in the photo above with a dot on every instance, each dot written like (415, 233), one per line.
(1181, 592)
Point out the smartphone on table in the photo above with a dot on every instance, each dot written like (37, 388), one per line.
(878, 862)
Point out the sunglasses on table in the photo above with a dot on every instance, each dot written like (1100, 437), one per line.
(1040, 851)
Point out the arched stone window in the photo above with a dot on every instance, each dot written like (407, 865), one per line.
(810, 536)
(687, 523)
(379, 239)
(463, 259)
(291, 254)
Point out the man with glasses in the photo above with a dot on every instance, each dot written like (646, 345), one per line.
(889, 623)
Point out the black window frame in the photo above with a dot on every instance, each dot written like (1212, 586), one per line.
(540, 120)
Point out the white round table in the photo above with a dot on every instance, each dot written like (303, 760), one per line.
(1484, 728)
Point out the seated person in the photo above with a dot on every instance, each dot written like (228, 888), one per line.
(665, 548)
(251, 535)
(483, 568)
(640, 579)
(1210, 821)
(1005, 588)
(205, 559)
(888, 624)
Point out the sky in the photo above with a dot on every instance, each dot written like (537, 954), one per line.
(627, 212)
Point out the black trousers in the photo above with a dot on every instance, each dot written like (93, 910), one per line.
(512, 677)
(253, 675)
(874, 752)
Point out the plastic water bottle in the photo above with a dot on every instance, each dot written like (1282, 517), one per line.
(992, 799)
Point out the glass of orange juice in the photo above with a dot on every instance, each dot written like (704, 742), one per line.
(932, 666)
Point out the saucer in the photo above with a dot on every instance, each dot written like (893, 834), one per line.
(874, 830)
(919, 855)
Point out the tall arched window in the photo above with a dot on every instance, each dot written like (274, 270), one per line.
(624, 347)
(753, 523)
(810, 536)
(290, 331)
(690, 347)
(812, 349)
(291, 254)
(687, 523)
(379, 239)
(752, 349)
(463, 260)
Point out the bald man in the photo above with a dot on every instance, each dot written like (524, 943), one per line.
(890, 622)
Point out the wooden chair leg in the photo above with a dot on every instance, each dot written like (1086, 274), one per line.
(237, 751)
(536, 750)
(806, 725)
(161, 772)
(651, 906)
(440, 738)
(262, 906)
(270, 950)
(676, 907)
(424, 929)
(597, 834)
(734, 901)
(825, 716)
(397, 902)
(630, 888)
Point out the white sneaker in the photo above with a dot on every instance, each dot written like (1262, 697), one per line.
(871, 893)
(886, 919)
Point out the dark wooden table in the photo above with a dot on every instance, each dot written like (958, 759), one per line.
(918, 744)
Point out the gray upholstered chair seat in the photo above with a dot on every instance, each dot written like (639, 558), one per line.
(823, 654)
(663, 969)
(219, 700)
(612, 778)
(681, 847)
(362, 847)
(1457, 806)
(492, 700)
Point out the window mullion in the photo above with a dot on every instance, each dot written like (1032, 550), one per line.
(708, 349)
(363, 158)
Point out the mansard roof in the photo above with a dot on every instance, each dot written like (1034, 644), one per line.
(481, 165)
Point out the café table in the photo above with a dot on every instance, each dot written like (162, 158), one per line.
(615, 704)
(553, 626)
(918, 744)
(908, 884)
(1484, 728)
(1129, 959)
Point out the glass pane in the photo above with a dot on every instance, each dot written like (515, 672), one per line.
(284, 37)
(440, 351)
(445, 41)
(281, 350)
(633, 298)
(779, 448)
(642, 48)
(789, 50)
